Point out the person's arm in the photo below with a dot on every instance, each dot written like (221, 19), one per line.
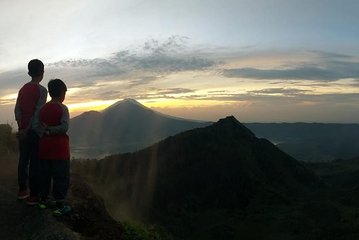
(41, 102)
(17, 110)
(37, 126)
(64, 126)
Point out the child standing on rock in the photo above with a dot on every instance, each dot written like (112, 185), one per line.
(54, 148)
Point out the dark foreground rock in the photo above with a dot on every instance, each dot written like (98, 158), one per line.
(89, 218)
(19, 221)
(88, 221)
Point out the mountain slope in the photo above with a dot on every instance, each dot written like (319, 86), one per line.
(213, 170)
(125, 126)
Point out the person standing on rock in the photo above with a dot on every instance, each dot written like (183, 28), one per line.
(54, 148)
(31, 97)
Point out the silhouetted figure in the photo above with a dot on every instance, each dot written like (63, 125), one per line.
(54, 149)
(31, 97)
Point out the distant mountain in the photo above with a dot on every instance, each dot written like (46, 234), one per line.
(312, 142)
(125, 126)
(209, 175)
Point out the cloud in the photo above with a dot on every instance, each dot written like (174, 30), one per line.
(155, 93)
(337, 98)
(355, 84)
(110, 92)
(279, 96)
(308, 73)
(172, 44)
(282, 91)
(11, 81)
(90, 67)
(145, 73)
(174, 91)
(142, 81)
(323, 67)
(6, 102)
(331, 55)
(157, 57)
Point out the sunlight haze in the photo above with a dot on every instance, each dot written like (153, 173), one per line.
(260, 61)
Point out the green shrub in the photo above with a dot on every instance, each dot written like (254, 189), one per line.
(138, 231)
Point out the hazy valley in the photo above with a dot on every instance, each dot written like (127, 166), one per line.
(128, 126)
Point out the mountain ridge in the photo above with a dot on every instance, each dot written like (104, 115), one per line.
(221, 167)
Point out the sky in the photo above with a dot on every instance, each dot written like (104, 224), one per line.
(260, 61)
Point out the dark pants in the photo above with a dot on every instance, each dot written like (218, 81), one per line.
(59, 172)
(28, 167)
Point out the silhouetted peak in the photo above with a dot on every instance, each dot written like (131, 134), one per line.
(130, 101)
(231, 125)
(92, 112)
(127, 102)
(228, 119)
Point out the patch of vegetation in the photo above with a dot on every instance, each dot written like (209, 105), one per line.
(8, 152)
(138, 231)
(8, 142)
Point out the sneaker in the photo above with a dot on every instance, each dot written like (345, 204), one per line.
(31, 201)
(51, 204)
(21, 195)
(66, 209)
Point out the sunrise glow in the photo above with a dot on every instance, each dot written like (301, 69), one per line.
(221, 59)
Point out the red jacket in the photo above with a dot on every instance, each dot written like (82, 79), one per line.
(54, 146)
(31, 97)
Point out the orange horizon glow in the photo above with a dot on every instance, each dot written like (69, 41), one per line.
(99, 105)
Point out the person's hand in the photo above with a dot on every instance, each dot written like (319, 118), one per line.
(46, 127)
(22, 134)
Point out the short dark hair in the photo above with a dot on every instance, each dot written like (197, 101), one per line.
(56, 88)
(35, 67)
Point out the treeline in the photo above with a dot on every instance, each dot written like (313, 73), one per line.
(8, 141)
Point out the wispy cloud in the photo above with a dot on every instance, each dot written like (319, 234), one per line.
(323, 67)
(154, 57)
(152, 93)
(309, 73)
(331, 55)
(281, 91)
(278, 97)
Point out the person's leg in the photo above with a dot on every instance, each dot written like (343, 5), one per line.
(61, 182)
(45, 184)
(34, 165)
(23, 167)
(61, 179)
(45, 179)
